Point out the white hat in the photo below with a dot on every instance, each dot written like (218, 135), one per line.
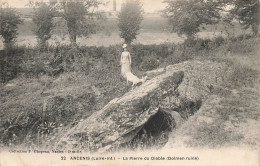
(124, 45)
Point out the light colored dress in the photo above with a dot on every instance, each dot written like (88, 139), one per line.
(126, 68)
(125, 63)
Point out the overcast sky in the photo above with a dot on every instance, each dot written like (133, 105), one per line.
(148, 5)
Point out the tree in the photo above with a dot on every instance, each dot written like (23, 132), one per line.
(187, 16)
(81, 17)
(130, 18)
(9, 22)
(248, 13)
(43, 18)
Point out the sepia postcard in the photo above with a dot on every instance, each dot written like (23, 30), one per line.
(129, 82)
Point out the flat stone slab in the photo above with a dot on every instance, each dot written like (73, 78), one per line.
(122, 118)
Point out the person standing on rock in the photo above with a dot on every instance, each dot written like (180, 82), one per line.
(126, 68)
(125, 61)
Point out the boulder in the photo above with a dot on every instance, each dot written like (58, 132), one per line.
(201, 77)
(181, 88)
(123, 118)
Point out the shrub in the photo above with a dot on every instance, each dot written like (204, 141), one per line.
(218, 41)
(9, 22)
(57, 60)
(9, 63)
(75, 60)
(35, 63)
(149, 63)
(160, 52)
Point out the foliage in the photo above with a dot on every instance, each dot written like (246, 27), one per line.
(75, 100)
(81, 17)
(130, 18)
(54, 62)
(187, 16)
(41, 63)
(248, 13)
(90, 59)
(149, 63)
(9, 21)
(9, 63)
(15, 129)
(46, 128)
(243, 44)
(43, 18)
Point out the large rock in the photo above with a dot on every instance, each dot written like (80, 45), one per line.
(121, 119)
(182, 88)
(201, 78)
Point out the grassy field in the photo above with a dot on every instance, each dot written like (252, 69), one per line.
(154, 30)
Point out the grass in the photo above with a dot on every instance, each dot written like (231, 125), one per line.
(228, 118)
(27, 96)
(76, 75)
(231, 124)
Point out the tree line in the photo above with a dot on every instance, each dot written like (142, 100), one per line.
(82, 17)
(186, 17)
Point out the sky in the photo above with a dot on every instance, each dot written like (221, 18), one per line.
(148, 5)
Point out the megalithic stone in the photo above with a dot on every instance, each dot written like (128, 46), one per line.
(122, 118)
